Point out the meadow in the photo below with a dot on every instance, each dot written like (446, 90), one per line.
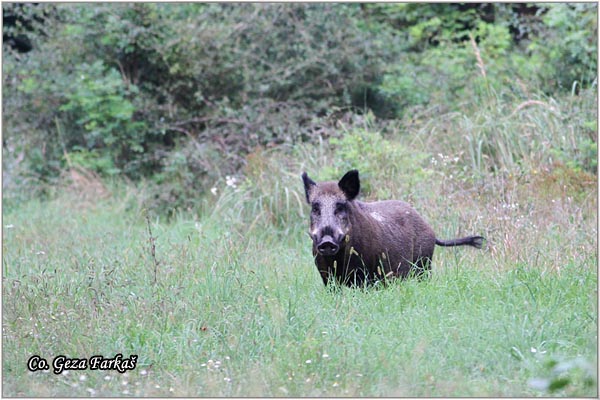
(224, 299)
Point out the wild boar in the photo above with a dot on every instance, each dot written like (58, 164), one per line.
(358, 243)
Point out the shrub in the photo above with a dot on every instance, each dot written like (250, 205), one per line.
(103, 127)
(379, 159)
(159, 76)
(550, 47)
(177, 95)
(569, 43)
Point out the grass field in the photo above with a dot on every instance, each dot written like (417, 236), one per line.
(225, 300)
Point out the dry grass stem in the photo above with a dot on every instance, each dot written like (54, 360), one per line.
(534, 103)
(480, 63)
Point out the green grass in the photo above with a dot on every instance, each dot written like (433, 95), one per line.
(238, 312)
(225, 300)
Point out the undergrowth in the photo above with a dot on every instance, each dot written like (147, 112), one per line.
(224, 299)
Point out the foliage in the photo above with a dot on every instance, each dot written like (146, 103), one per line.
(185, 170)
(565, 373)
(380, 159)
(570, 43)
(175, 96)
(98, 103)
(515, 43)
(237, 307)
(161, 76)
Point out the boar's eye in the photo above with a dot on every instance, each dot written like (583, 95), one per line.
(340, 207)
(316, 208)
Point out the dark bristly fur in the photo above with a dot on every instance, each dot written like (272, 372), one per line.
(356, 242)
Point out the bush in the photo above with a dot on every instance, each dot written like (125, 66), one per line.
(101, 119)
(569, 44)
(149, 79)
(177, 95)
(515, 47)
(380, 160)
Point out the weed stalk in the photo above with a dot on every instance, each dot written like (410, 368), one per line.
(152, 241)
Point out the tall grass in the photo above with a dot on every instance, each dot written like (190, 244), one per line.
(237, 308)
(513, 129)
(225, 300)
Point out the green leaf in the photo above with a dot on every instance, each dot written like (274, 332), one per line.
(558, 383)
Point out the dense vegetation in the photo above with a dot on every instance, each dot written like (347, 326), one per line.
(175, 96)
(153, 205)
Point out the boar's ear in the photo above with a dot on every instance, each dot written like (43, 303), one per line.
(308, 185)
(350, 184)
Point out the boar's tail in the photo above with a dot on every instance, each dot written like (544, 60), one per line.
(475, 241)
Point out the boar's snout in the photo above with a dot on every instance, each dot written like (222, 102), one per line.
(327, 246)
